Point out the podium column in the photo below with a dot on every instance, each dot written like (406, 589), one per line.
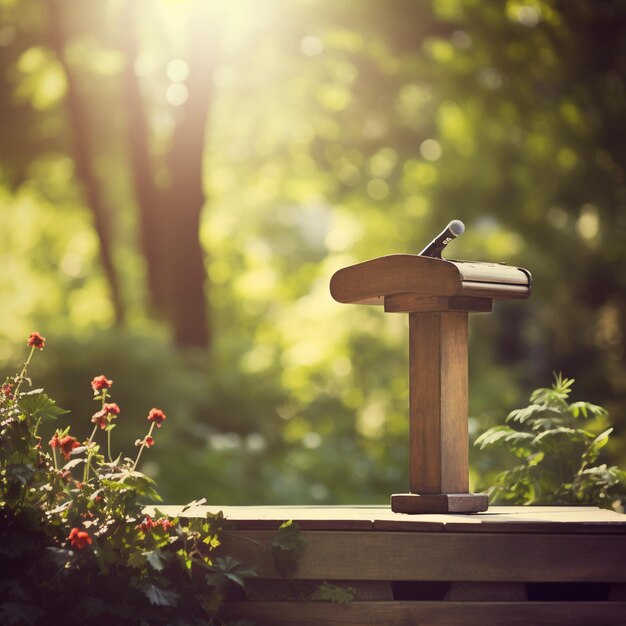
(438, 402)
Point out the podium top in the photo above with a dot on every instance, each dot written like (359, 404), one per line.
(371, 281)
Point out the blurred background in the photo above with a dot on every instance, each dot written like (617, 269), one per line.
(180, 179)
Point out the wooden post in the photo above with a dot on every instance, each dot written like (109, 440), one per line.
(438, 402)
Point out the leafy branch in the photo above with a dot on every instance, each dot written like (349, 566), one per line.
(557, 444)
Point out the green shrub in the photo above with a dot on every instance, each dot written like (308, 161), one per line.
(558, 445)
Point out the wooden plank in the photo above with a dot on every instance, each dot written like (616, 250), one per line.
(438, 399)
(429, 613)
(496, 291)
(307, 517)
(505, 519)
(281, 590)
(411, 303)
(349, 555)
(440, 502)
(544, 519)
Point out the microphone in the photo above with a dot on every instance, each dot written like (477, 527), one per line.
(450, 232)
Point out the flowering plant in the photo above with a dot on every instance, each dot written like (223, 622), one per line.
(73, 524)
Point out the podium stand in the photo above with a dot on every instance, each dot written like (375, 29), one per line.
(437, 294)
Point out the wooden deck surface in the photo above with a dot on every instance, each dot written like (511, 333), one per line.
(506, 519)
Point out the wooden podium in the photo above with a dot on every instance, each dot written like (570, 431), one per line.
(438, 295)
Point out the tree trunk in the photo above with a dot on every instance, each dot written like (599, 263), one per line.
(170, 218)
(77, 119)
(152, 233)
(186, 197)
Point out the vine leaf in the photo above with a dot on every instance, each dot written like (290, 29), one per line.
(335, 593)
(40, 406)
(156, 559)
(161, 597)
(286, 547)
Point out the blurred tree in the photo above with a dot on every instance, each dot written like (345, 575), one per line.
(82, 153)
(322, 133)
(170, 217)
(170, 212)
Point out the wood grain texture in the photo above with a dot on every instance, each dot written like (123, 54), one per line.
(411, 302)
(498, 519)
(396, 273)
(281, 590)
(496, 291)
(448, 556)
(439, 503)
(438, 399)
(430, 613)
(371, 280)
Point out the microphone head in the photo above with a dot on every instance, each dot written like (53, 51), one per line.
(456, 227)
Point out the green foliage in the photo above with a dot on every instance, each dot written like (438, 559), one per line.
(334, 593)
(286, 547)
(86, 536)
(38, 406)
(557, 454)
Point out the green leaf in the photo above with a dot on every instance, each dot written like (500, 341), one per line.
(592, 452)
(334, 593)
(212, 541)
(534, 459)
(142, 485)
(521, 415)
(602, 439)
(493, 436)
(289, 537)
(547, 435)
(286, 547)
(228, 569)
(517, 437)
(586, 408)
(38, 405)
(211, 602)
(161, 597)
(73, 463)
(546, 423)
(136, 560)
(156, 559)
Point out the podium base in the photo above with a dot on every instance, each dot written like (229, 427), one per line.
(439, 503)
